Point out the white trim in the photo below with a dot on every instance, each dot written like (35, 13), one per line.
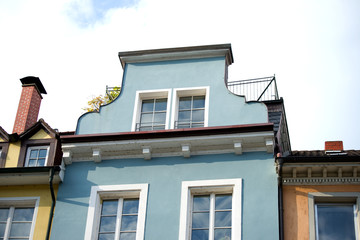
(150, 94)
(115, 191)
(184, 92)
(47, 147)
(23, 201)
(188, 188)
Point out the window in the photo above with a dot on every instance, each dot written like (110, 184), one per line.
(17, 217)
(37, 156)
(335, 221)
(151, 110)
(190, 107)
(117, 212)
(191, 112)
(210, 210)
(333, 215)
(153, 115)
(118, 219)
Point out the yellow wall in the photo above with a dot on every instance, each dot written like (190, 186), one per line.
(12, 156)
(42, 191)
(296, 209)
(40, 135)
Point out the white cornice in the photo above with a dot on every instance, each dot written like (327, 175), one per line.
(163, 147)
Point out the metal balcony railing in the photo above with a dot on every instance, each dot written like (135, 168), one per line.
(257, 89)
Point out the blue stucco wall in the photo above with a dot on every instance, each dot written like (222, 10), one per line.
(225, 108)
(164, 176)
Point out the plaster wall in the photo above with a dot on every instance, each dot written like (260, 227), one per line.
(42, 191)
(225, 108)
(164, 176)
(12, 156)
(296, 207)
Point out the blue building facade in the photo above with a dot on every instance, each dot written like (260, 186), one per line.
(175, 156)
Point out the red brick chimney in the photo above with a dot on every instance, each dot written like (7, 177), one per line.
(29, 104)
(334, 146)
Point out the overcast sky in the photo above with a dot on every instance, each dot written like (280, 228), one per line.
(313, 48)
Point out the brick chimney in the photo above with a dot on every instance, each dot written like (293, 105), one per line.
(29, 104)
(334, 146)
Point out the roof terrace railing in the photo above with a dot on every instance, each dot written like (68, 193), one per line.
(257, 89)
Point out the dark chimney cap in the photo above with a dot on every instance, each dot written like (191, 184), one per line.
(33, 81)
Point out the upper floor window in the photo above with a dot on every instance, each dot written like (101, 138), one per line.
(119, 219)
(117, 212)
(333, 215)
(190, 107)
(17, 217)
(191, 112)
(37, 156)
(210, 209)
(151, 110)
(153, 114)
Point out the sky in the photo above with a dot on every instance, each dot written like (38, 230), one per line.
(312, 47)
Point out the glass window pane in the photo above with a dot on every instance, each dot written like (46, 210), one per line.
(146, 118)
(200, 235)
(127, 236)
(109, 207)
(199, 102)
(159, 127)
(106, 236)
(42, 153)
(130, 206)
(184, 103)
(200, 220)
(222, 234)
(23, 214)
(159, 118)
(223, 202)
(147, 105)
(198, 116)
(183, 125)
(184, 116)
(128, 223)
(2, 229)
(41, 162)
(20, 229)
(32, 163)
(145, 129)
(160, 104)
(201, 203)
(4, 212)
(107, 224)
(33, 153)
(195, 125)
(335, 222)
(223, 219)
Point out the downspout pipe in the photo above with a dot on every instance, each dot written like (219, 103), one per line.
(52, 172)
(280, 199)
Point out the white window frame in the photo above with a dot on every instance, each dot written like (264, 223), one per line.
(150, 94)
(188, 92)
(219, 186)
(36, 148)
(17, 202)
(99, 193)
(332, 197)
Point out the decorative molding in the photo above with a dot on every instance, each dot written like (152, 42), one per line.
(321, 181)
(185, 148)
(238, 148)
(269, 145)
(67, 157)
(96, 155)
(146, 150)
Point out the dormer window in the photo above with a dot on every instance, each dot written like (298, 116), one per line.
(37, 156)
